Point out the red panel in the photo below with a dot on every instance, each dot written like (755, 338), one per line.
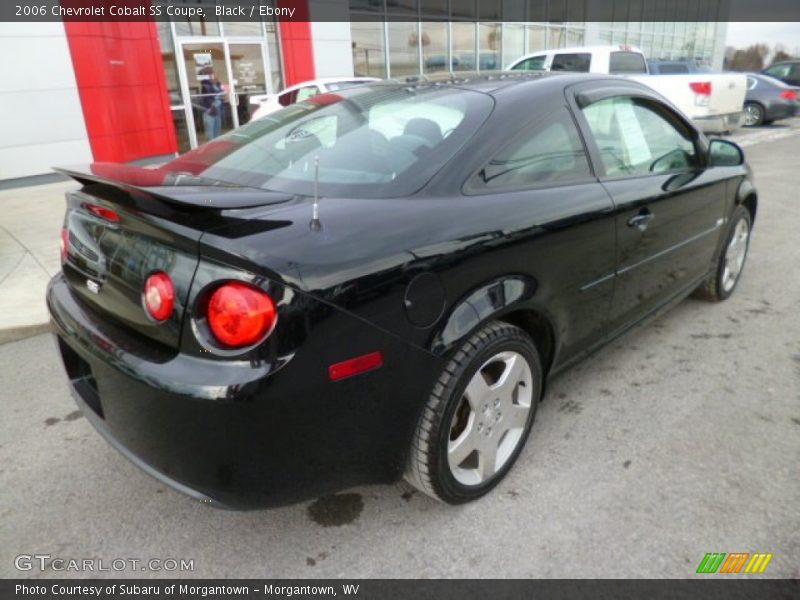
(123, 90)
(296, 43)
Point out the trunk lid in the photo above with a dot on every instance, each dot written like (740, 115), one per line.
(126, 223)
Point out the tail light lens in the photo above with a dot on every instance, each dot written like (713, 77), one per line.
(702, 88)
(102, 212)
(789, 95)
(159, 296)
(240, 315)
(64, 245)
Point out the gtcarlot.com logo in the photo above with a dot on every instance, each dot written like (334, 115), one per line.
(735, 562)
(45, 562)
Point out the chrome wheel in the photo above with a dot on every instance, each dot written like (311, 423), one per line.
(753, 115)
(735, 254)
(490, 419)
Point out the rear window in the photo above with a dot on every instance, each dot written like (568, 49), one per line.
(626, 62)
(369, 141)
(672, 69)
(572, 62)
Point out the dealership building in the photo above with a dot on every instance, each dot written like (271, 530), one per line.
(77, 92)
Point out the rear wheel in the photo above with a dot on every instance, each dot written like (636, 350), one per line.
(478, 416)
(753, 114)
(723, 280)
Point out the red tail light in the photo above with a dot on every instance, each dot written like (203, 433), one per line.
(789, 95)
(703, 88)
(159, 296)
(240, 315)
(64, 245)
(102, 212)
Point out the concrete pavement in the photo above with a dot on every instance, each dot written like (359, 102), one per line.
(30, 229)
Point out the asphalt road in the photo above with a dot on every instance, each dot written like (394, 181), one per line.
(679, 439)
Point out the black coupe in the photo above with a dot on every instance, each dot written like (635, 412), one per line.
(377, 283)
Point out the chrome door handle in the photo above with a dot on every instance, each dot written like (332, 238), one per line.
(641, 221)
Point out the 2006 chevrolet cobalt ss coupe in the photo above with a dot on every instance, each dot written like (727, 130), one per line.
(377, 283)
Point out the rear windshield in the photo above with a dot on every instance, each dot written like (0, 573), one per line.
(626, 62)
(380, 141)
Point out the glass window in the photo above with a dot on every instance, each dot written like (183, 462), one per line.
(369, 56)
(780, 70)
(638, 137)
(464, 47)
(371, 142)
(434, 47)
(536, 39)
(626, 62)
(513, 42)
(462, 9)
(242, 28)
(403, 48)
(490, 43)
(304, 93)
(170, 64)
(550, 153)
(196, 26)
(533, 63)
(401, 7)
(557, 37)
(572, 62)
(274, 56)
(287, 98)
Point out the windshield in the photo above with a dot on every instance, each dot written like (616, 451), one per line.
(383, 140)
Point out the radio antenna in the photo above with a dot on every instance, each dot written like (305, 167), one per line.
(315, 224)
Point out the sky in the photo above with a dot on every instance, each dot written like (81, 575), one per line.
(741, 35)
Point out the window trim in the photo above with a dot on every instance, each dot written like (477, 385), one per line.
(468, 188)
(614, 91)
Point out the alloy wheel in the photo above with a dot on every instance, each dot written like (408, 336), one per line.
(735, 254)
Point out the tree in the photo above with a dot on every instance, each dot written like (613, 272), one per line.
(781, 54)
(750, 59)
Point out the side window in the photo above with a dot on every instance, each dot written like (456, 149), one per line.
(533, 63)
(549, 152)
(307, 92)
(779, 70)
(639, 137)
(572, 62)
(287, 98)
(628, 62)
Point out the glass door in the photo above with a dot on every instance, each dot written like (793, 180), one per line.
(249, 76)
(208, 89)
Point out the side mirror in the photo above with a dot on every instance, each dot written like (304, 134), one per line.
(722, 153)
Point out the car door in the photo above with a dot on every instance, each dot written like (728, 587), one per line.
(669, 208)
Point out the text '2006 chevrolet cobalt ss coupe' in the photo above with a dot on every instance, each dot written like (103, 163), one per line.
(376, 283)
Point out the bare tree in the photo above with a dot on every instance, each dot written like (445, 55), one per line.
(749, 59)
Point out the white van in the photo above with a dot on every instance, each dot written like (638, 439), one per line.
(714, 101)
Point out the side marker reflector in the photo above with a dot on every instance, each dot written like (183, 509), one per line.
(355, 366)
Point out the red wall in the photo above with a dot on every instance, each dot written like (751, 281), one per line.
(296, 45)
(123, 90)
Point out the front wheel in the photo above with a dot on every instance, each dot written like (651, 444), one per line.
(722, 281)
(478, 416)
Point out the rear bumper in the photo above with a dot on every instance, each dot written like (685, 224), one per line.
(719, 123)
(239, 435)
(781, 110)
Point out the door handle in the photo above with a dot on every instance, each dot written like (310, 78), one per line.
(642, 220)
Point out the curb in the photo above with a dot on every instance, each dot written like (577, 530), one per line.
(16, 334)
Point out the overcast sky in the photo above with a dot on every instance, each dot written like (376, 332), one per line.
(741, 35)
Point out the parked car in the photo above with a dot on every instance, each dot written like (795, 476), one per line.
(270, 103)
(676, 67)
(788, 72)
(768, 99)
(269, 318)
(714, 101)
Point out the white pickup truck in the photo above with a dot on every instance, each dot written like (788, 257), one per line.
(714, 101)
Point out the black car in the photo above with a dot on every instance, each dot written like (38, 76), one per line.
(377, 283)
(787, 71)
(767, 100)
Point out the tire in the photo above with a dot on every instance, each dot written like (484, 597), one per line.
(753, 114)
(481, 407)
(722, 281)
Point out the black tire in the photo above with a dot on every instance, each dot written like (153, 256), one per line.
(427, 468)
(756, 112)
(712, 288)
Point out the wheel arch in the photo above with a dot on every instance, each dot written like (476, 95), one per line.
(509, 299)
(747, 196)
